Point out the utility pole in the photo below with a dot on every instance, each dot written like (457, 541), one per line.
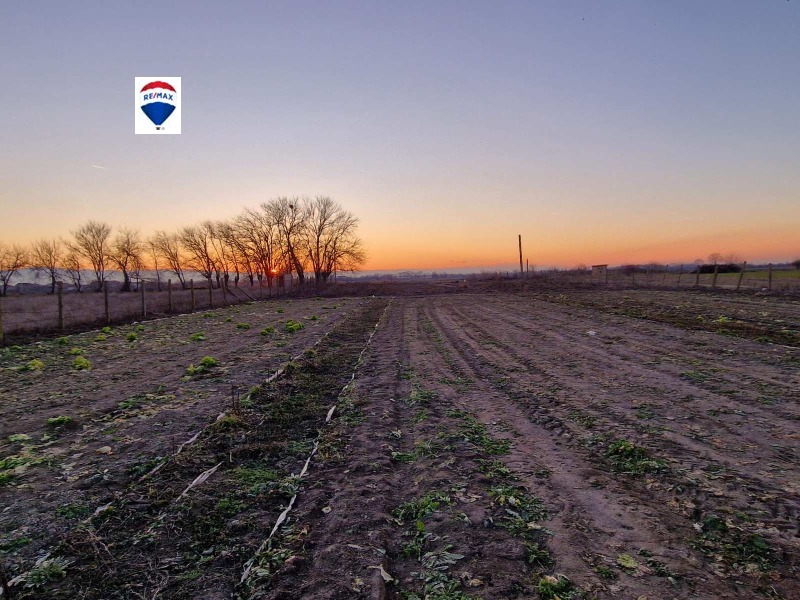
(521, 271)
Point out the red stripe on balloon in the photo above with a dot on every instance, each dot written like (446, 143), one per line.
(158, 84)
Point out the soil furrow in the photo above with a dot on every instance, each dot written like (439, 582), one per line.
(592, 514)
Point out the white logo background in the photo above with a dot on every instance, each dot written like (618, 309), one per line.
(143, 125)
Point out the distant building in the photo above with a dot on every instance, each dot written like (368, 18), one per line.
(599, 270)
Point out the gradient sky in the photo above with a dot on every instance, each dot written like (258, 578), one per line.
(602, 131)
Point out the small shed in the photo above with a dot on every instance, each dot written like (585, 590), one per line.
(600, 273)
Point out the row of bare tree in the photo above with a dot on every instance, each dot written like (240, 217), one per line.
(304, 236)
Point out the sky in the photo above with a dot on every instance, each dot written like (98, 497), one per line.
(602, 132)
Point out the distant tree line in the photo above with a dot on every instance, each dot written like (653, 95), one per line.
(311, 237)
(722, 263)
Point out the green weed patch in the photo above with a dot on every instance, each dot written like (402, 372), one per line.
(206, 364)
(293, 326)
(626, 457)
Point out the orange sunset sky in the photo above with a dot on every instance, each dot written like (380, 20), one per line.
(614, 132)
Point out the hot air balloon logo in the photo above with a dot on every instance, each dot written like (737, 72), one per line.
(157, 103)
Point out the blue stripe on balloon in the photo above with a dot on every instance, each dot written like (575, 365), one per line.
(158, 112)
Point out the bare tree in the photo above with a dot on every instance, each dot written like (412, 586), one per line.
(92, 243)
(137, 268)
(238, 235)
(258, 234)
(289, 216)
(45, 258)
(12, 259)
(229, 249)
(196, 240)
(126, 254)
(168, 247)
(731, 258)
(322, 222)
(218, 252)
(796, 264)
(73, 269)
(333, 246)
(283, 236)
(715, 258)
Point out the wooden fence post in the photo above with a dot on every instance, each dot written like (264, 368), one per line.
(60, 292)
(680, 274)
(714, 278)
(105, 302)
(210, 293)
(1, 321)
(144, 305)
(769, 277)
(169, 294)
(191, 289)
(697, 279)
(224, 285)
(741, 276)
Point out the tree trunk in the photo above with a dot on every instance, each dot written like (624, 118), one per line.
(301, 276)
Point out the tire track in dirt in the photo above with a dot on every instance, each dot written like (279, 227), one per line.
(603, 373)
(566, 324)
(700, 455)
(703, 453)
(753, 364)
(779, 516)
(344, 548)
(613, 517)
(759, 317)
(404, 419)
(499, 562)
(588, 522)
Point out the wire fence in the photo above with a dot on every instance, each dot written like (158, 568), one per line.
(43, 313)
(61, 311)
(766, 280)
(761, 279)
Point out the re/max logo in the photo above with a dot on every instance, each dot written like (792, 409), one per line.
(158, 95)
